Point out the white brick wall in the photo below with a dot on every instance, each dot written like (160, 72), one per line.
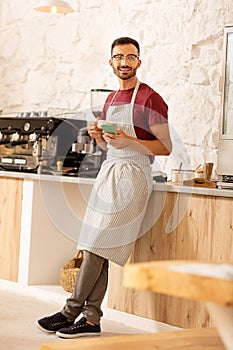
(54, 61)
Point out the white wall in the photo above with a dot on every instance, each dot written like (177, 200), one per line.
(54, 61)
(0, 17)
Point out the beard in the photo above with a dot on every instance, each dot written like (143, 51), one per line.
(124, 75)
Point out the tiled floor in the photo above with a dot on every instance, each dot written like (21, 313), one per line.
(19, 312)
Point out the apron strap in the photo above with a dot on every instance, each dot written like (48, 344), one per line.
(135, 92)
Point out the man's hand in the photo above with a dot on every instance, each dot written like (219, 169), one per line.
(119, 140)
(161, 146)
(97, 134)
(94, 131)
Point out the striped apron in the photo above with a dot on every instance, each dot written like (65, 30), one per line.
(120, 195)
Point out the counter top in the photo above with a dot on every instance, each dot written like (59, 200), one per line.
(164, 187)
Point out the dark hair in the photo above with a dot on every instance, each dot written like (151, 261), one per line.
(125, 40)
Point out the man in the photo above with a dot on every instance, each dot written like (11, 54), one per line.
(121, 191)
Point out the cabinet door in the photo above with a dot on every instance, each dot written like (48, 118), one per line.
(227, 119)
(225, 146)
(10, 224)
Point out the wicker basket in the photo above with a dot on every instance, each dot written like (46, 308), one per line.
(69, 272)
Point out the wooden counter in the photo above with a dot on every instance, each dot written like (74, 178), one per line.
(11, 191)
(41, 215)
(196, 227)
(39, 225)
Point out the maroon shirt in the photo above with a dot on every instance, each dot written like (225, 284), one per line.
(149, 109)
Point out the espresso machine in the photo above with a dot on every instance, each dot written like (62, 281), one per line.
(34, 142)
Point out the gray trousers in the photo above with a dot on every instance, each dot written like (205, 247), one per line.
(90, 288)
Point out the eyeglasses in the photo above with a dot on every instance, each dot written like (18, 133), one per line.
(130, 58)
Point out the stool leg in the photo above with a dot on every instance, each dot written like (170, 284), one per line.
(223, 319)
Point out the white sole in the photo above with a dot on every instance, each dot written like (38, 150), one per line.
(79, 335)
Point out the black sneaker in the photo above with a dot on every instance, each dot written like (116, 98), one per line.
(79, 329)
(53, 323)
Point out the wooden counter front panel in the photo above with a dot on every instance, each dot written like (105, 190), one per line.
(204, 234)
(10, 223)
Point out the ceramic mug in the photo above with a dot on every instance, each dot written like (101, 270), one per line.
(179, 176)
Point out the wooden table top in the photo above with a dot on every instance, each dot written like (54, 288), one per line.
(211, 282)
(191, 339)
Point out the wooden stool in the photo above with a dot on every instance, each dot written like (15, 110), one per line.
(209, 282)
(191, 339)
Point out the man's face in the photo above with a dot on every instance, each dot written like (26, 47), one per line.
(123, 67)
